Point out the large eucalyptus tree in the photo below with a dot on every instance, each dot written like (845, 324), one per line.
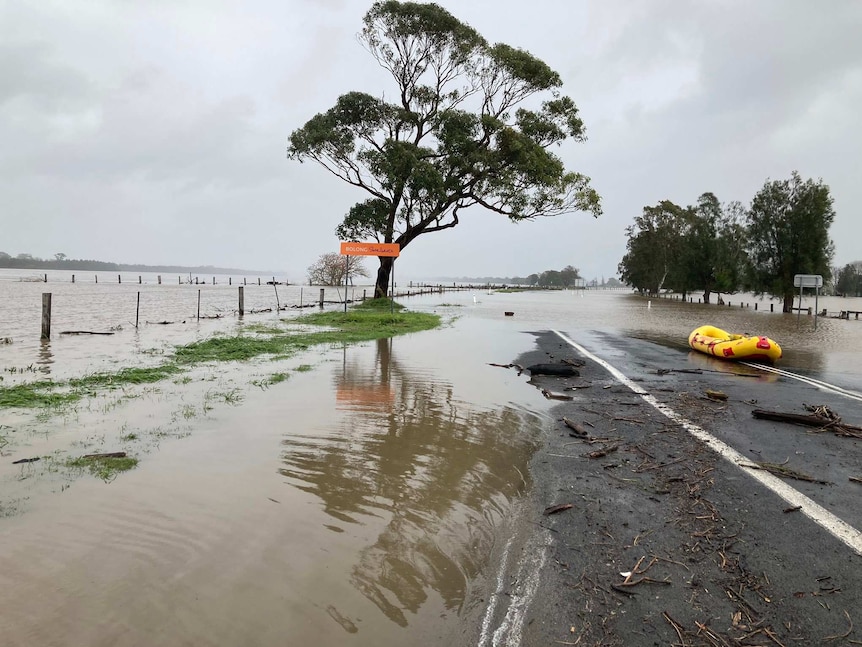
(467, 127)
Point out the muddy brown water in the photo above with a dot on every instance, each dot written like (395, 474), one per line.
(358, 502)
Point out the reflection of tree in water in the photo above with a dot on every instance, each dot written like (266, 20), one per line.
(440, 470)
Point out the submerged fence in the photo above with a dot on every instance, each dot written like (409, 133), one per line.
(203, 304)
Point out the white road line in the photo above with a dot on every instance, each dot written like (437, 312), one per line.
(835, 526)
(527, 578)
(853, 395)
(492, 605)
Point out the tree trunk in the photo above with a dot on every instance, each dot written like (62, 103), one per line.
(788, 301)
(381, 286)
(706, 295)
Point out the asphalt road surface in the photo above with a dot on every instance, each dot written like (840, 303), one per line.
(665, 516)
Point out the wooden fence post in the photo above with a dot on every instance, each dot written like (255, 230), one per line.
(199, 305)
(138, 309)
(46, 315)
(241, 301)
(321, 297)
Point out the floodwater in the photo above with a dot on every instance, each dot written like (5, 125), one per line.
(358, 502)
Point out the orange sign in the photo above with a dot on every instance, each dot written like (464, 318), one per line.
(370, 249)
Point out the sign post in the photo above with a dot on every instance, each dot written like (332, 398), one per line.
(371, 249)
(808, 281)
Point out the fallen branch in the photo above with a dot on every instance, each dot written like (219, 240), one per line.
(554, 509)
(84, 332)
(551, 395)
(779, 469)
(553, 369)
(578, 429)
(814, 420)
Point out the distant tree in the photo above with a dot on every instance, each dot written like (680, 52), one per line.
(533, 279)
(550, 279)
(788, 234)
(848, 281)
(25, 257)
(699, 228)
(731, 254)
(655, 249)
(60, 256)
(568, 275)
(455, 137)
(4, 256)
(329, 269)
(612, 283)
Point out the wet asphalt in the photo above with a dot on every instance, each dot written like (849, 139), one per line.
(650, 537)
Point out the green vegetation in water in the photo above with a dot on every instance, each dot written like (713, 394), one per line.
(126, 376)
(35, 394)
(303, 368)
(104, 467)
(263, 329)
(373, 319)
(275, 378)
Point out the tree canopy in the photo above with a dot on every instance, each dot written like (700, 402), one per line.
(788, 234)
(458, 133)
(722, 248)
(848, 280)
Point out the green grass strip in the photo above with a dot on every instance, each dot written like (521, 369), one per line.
(374, 319)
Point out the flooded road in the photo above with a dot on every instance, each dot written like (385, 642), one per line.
(360, 501)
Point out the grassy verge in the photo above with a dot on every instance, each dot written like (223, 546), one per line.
(374, 319)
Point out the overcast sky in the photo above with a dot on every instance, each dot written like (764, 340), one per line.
(155, 132)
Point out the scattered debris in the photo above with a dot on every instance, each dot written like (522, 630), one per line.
(715, 395)
(26, 460)
(551, 395)
(575, 387)
(578, 363)
(106, 455)
(599, 453)
(84, 332)
(795, 508)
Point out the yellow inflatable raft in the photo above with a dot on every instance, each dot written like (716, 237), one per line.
(715, 341)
